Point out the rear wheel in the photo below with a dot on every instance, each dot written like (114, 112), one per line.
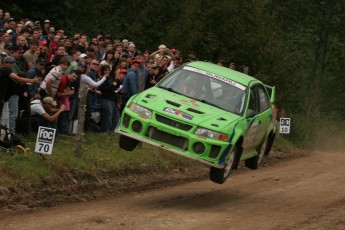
(127, 143)
(220, 175)
(255, 161)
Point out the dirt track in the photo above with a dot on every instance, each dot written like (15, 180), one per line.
(302, 193)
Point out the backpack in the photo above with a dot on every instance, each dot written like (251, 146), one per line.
(8, 140)
(5, 137)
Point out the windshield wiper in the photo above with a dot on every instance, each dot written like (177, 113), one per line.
(210, 103)
(170, 89)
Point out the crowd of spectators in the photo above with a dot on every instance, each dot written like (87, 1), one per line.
(42, 70)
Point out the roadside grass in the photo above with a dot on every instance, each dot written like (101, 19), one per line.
(100, 154)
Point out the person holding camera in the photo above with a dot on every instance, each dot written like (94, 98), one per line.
(158, 55)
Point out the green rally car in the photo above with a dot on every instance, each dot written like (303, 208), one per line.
(205, 112)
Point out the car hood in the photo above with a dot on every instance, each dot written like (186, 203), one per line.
(185, 109)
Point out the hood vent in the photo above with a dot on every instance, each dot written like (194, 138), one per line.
(173, 103)
(221, 119)
(195, 111)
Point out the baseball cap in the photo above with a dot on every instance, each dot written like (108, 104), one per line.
(46, 21)
(19, 49)
(82, 64)
(161, 47)
(49, 100)
(8, 46)
(135, 61)
(83, 55)
(9, 59)
(41, 61)
(123, 71)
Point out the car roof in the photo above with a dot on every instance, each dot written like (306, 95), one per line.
(234, 75)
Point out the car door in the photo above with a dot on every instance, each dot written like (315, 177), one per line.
(256, 117)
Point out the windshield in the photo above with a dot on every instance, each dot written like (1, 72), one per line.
(206, 87)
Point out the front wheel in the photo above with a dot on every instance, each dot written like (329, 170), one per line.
(255, 161)
(127, 143)
(220, 175)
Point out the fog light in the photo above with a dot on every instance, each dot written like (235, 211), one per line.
(199, 148)
(126, 120)
(137, 126)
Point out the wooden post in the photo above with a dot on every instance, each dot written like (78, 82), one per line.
(81, 118)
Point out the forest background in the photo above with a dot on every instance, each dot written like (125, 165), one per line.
(296, 45)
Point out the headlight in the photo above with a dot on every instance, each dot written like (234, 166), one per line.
(211, 134)
(140, 110)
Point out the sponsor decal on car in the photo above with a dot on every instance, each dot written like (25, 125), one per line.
(215, 76)
(178, 113)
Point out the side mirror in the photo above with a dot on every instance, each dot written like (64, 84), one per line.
(250, 113)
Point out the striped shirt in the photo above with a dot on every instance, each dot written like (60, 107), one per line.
(55, 75)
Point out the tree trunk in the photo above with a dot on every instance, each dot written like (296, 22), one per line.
(81, 118)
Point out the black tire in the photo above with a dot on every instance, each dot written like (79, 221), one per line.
(270, 142)
(127, 143)
(255, 161)
(219, 176)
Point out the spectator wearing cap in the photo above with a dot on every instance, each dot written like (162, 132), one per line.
(91, 52)
(30, 55)
(160, 53)
(49, 37)
(46, 26)
(43, 48)
(191, 58)
(20, 64)
(7, 75)
(44, 113)
(107, 38)
(131, 82)
(125, 44)
(8, 48)
(36, 71)
(52, 80)
(83, 57)
(132, 51)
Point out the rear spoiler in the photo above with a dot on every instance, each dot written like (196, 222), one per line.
(272, 91)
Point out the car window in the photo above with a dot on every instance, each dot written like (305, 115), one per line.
(253, 101)
(263, 99)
